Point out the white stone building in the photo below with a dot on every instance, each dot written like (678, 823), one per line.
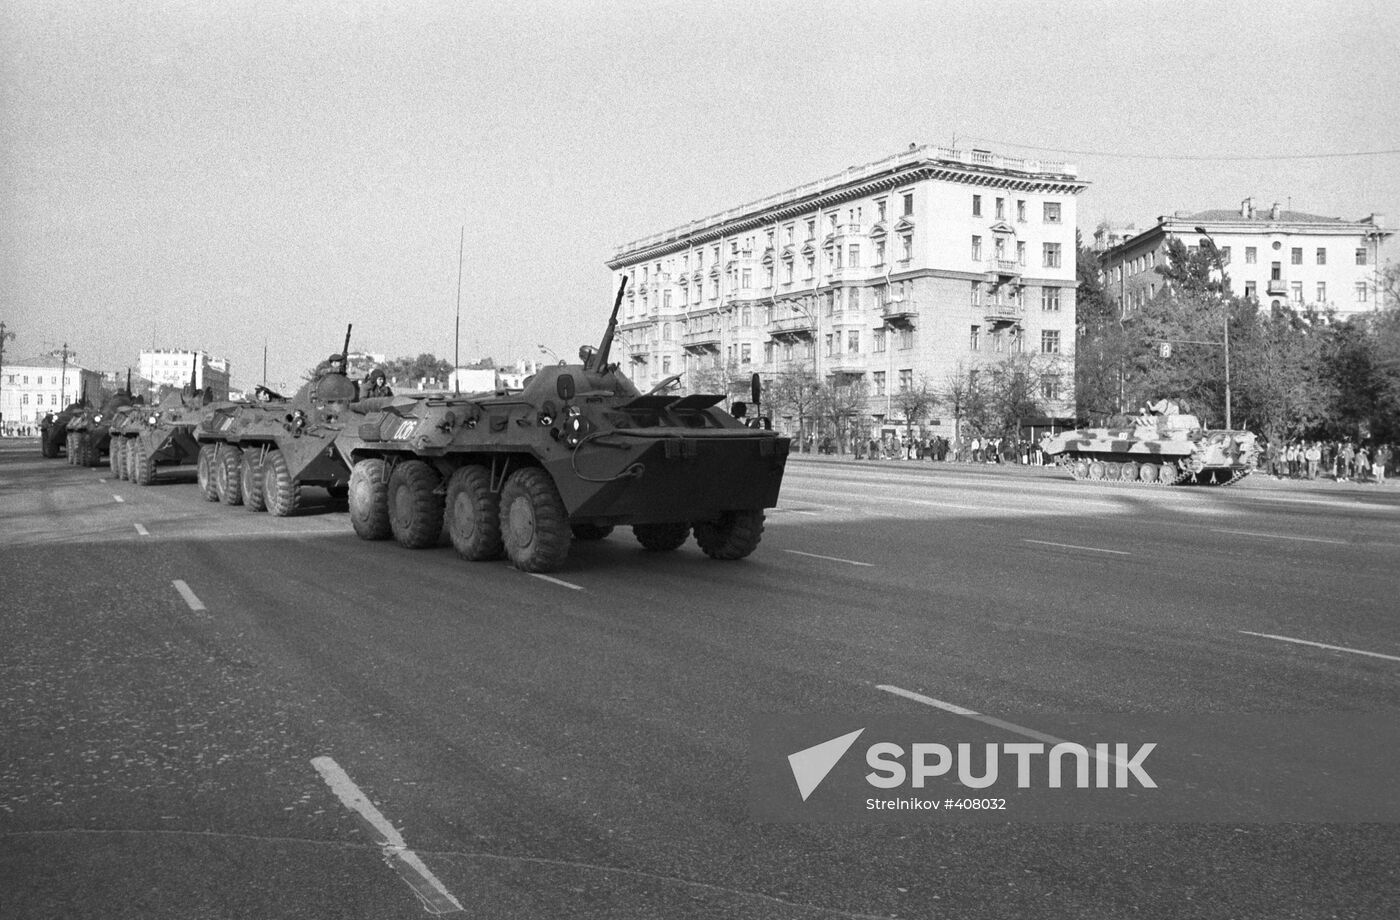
(173, 367)
(31, 388)
(896, 272)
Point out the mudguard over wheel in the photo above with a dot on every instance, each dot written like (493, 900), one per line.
(591, 531)
(204, 472)
(227, 463)
(369, 500)
(415, 506)
(534, 521)
(473, 514)
(281, 493)
(250, 483)
(661, 538)
(733, 535)
(140, 464)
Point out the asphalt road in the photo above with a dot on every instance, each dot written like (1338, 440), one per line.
(206, 712)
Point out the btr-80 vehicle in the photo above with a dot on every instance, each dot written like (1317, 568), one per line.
(53, 429)
(1164, 446)
(89, 431)
(260, 453)
(161, 436)
(576, 452)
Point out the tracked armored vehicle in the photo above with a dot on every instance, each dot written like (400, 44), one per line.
(89, 431)
(1163, 447)
(260, 453)
(576, 452)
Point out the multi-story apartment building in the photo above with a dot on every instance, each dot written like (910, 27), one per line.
(898, 272)
(1276, 256)
(30, 389)
(173, 367)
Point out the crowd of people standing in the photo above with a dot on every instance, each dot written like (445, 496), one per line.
(1342, 461)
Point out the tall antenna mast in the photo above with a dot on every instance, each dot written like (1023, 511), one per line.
(457, 332)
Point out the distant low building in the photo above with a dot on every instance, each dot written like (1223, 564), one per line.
(174, 366)
(1275, 256)
(30, 389)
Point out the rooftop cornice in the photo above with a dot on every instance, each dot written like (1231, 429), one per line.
(941, 163)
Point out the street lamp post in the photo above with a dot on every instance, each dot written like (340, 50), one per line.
(550, 351)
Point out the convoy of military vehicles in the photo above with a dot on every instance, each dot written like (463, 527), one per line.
(514, 473)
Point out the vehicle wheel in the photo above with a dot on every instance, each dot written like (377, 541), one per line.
(1131, 471)
(250, 483)
(1081, 469)
(115, 458)
(226, 467)
(473, 514)
(662, 538)
(70, 448)
(733, 536)
(369, 500)
(281, 493)
(204, 472)
(141, 466)
(1097, 469)
(591, 531)
(1150, 472)
(1113, 472)
(48, 446)
(534, 521)
(415, 507)
(88, 453)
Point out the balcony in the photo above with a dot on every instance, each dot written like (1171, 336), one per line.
(853, 365)
(701, 341)
(1278, 287)
(995, 313)
(793, 326)
(1003, 269)
(899, 312)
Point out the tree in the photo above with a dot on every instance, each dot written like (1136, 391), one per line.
(410, 371)
(795, 394)
(915, 403)
(1012, 393)
(962, 394)
(1100, 348)
(838, 405)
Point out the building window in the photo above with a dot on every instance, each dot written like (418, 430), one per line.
(879, 252)
(812, 228)
(1360, 292)
(974, 343)
(853, 257)
(1021, 212)
(906, 380)
(878, 341)
(1050, 341)
(879, 383)
(745, 317)
(1052, 255)
(1021, 253)
(1321, 256)
(997, 342)
(908, 204)
(1050, 388)
(1322, 292)
(1050, 299)
(746, 353)
(1052, 212)
(787, 271)
(1225, 255)
(746, 278)
(666, 364)
(853, 341)
(976, 293)
(1361, 257)
(1251, 255)
(1297, 289)
(879, 210)
(828, 344)
(976, 248)
(906, 339)
(976, 205)
(906, 242)
(1297, 254)
(1001, 209)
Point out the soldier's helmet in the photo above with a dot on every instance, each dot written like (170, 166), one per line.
(337, 363)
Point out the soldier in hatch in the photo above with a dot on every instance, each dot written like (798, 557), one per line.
(376, 384)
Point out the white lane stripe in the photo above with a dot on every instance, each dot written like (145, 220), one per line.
(435, 896)
(1335, 648)
(555, 581)
(992, 721)
(194, 602)
(141, 529)
(798, 552)
(1091, 549)
(1279, 536)
(119, 498)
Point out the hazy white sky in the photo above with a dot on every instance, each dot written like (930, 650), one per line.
(220, 174)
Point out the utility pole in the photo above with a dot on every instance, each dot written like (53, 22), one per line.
(1224, 286)
(4, 334)
(63, 380)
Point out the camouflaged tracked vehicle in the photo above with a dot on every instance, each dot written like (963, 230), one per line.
(260, 453)
(1163, 447)
(89, 431)
(576, 452)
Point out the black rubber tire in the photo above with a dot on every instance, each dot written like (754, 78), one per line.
(661, 538)
(591, 531)
(70, 448)
(473, 514)
(416, 507)
(125, 449)
(141, 466)
(250, 483)
(534, 521)
(227, 463)
(733, 536)
(281, 493)
(204, 472)
(369, 500)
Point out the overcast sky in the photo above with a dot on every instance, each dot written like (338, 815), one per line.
(221, 174)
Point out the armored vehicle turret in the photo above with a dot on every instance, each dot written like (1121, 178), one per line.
(574, 453)
(1162, 446)
(260, 453)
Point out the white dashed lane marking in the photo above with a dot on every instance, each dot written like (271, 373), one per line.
(141, 529)
(1089, 549)
(1280, 536)
(1334, 648)
(119, 498)
(194, 602)
(798, 552)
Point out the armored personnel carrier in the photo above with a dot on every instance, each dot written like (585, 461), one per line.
(576, 452)
(89, 431)
(53, 430)
(125, 424)
(1163, 446)
(260, 453)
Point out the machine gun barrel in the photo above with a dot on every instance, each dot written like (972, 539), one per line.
(194, 376)
(345, 349)
(599, 360)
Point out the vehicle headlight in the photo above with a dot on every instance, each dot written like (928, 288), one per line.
(97, 418)
(576, 427)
